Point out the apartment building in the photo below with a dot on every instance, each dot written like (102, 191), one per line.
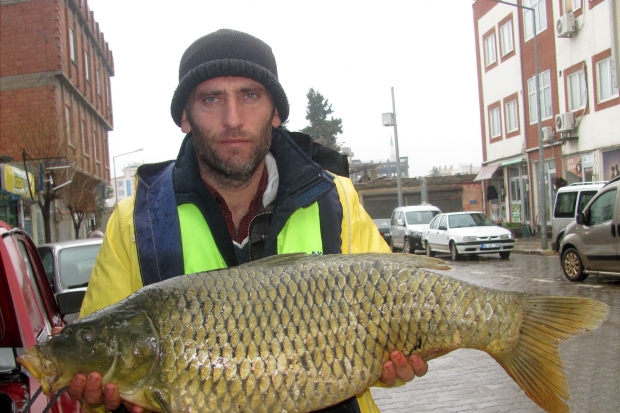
(574, 43)
(55, 67)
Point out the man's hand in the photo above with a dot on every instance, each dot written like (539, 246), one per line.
(399, 366)
(94, 393)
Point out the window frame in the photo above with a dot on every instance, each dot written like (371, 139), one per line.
(72, 46)
(528, 33)
(507, 112)
(87, 71)
(583, 90)
(495, 123)
(502, 36)
(68, 124)
(485, 41)
(609, 78)
(545, 94)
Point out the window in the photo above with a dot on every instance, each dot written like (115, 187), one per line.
(98, 82)
(506, 39)
(512, 116)
(95, 145)
(578, 93)
(68, 123)
(545, 97)
(586, 196)
(83, 134)
(489, 50)
(606, 89)
(602, 209)
(129, 188)
(540, 15)
(565, 205)
(443, 224)
(87, 65)
(576, 5)
(72, 46)
(495, 122)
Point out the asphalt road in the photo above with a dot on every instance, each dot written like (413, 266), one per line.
(471, 381)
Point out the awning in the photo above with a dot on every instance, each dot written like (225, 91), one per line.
(513, 162)
(487, 172)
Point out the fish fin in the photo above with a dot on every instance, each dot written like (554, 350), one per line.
(159, 397)
(535, 362)
(275, 260)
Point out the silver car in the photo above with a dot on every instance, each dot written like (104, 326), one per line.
(591, 244)
(68, 265)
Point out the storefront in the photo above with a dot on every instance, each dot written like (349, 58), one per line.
(16, 204)
(579, 168)
(611, 164)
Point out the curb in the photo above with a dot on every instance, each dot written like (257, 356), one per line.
(548, 253)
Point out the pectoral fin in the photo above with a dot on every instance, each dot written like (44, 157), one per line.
(159, 398)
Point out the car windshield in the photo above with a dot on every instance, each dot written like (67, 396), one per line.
(420, 217)
(75, 265)
(470, 220)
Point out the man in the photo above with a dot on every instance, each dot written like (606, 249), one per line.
(94, 232)
(240, 189)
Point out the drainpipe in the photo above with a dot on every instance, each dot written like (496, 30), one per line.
(423, 190)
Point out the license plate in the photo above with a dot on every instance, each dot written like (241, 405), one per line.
(483, 246)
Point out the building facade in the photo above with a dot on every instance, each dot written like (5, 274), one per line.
(55, 68)
(123, 186)
(576, 42)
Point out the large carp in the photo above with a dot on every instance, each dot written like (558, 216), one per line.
(296, 333)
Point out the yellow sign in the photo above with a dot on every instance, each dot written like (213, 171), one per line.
(14, 180)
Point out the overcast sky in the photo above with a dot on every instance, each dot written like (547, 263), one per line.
(352, 52)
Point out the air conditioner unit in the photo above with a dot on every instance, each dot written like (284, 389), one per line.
(548, 134)
(564, 122)
(566, 25)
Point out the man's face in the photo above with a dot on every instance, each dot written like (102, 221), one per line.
(231, 119)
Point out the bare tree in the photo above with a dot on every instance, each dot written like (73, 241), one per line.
(79, 197)
(45, 138)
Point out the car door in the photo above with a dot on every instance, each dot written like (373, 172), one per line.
(428, 235)
(599, 235)
(440, 241)
(399, 223)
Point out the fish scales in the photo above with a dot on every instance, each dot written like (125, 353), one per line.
(299, 333)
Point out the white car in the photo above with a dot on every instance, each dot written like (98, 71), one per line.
(462, 233)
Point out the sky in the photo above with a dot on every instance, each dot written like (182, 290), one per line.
(352, 52)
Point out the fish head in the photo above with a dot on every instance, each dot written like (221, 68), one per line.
(123, 349)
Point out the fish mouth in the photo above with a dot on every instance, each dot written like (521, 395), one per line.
(41, 368)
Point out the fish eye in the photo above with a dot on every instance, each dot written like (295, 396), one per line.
(87, 336)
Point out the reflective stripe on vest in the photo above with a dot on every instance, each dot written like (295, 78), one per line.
(301, 233)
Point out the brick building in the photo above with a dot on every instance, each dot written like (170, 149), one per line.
(55, 64)
(579, 100)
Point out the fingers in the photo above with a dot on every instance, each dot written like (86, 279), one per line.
(76, 387)
(111, 397)
(399, 366)
(93, 389)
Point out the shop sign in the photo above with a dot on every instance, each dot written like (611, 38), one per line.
(611, 164)
(14, 180)
(515, 210)
(574, 166)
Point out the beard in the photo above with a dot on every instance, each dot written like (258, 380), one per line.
(236, 169)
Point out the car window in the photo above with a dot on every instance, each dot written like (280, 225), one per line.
(420, 217)
(394, 218)
(35, 303)
(434, 223)
(469, 220)
(443, 222)
(47, 259)
(584, 198)
(75, 265)
(565, 205)
(602, 209)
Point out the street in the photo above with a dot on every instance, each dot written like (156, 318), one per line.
(471, 381)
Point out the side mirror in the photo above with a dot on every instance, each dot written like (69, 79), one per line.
(70, 302)
(581, 220)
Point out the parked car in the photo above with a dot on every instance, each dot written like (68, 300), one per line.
(466, 233)
(68, 265)
(28, 312)
(591, 244)
(569, 201)
(383, 225)
(407, 224)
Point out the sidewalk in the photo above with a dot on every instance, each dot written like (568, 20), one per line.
(532, 246)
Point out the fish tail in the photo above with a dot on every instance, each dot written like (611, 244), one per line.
(535, 362)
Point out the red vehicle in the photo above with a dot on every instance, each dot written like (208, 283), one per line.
(28, 312)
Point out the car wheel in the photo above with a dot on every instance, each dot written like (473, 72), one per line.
(429, 252)
(407, 246)
(453, 252)
(504, 254)
(572, 266)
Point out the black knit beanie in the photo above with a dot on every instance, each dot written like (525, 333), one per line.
(228, 53)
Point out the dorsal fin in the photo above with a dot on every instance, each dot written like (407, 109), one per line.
(275, 260)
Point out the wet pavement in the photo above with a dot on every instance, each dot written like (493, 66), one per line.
(471, 381)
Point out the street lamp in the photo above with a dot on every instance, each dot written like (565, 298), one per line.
(389, 119)
(542, 193)
(114, 166)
